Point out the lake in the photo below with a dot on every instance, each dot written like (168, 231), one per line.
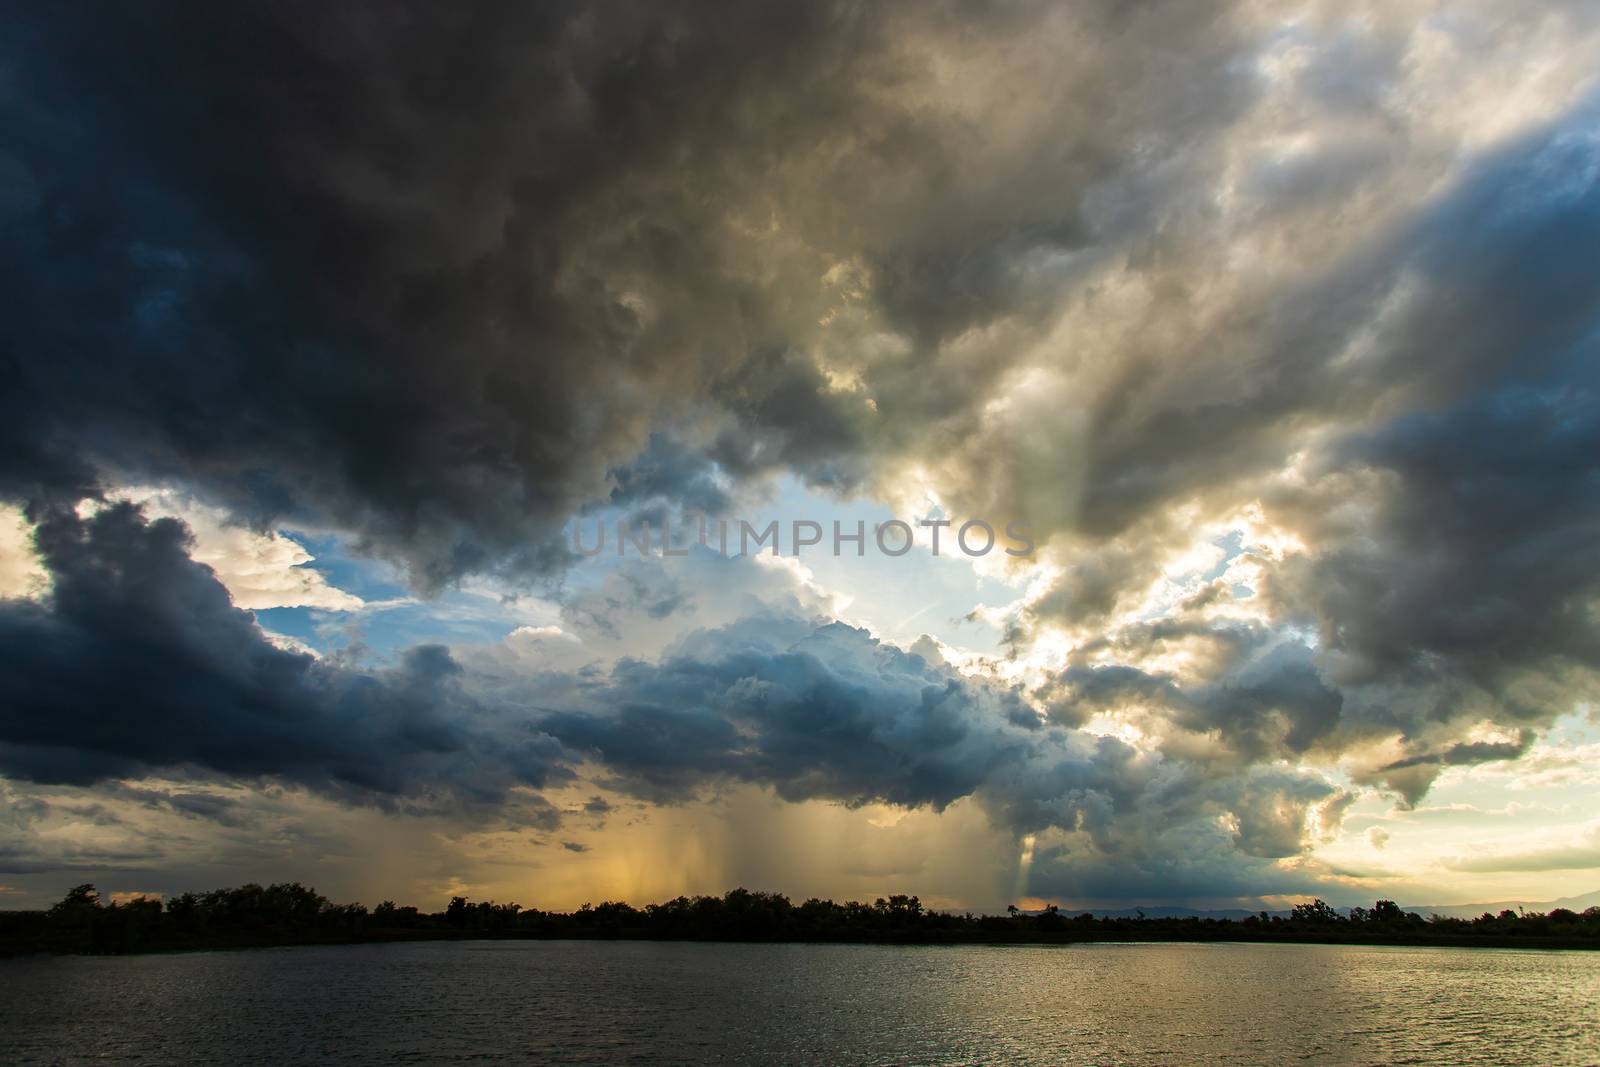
(658, 1003)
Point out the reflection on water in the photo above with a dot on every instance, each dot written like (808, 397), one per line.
(645, 1002)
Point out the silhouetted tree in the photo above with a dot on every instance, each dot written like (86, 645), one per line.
(1315, 911)
(80, 902)
(291, 913)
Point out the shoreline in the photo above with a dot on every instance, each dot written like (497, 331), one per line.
(1544, 944)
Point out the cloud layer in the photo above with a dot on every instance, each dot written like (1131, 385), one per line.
(1275, 322)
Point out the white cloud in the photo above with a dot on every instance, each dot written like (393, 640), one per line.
(261, 570)
(20, 572)
(1581, 852)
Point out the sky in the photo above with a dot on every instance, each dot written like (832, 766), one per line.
(1264, 333)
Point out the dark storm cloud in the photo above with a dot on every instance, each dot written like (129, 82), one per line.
(196, 803)
(784, 417)
(1480, 291)
(1464, 589)
(668, 472)
(429, 275)
(1448, 502)
(1485, 542)
(1467, 753)
(138, 661)
(835, 715)
(1215, 837)
(1089, 590)
(1264, 699)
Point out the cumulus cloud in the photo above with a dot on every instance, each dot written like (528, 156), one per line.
(260, 569)
(828, 712)
(817, 711)
(137, 660)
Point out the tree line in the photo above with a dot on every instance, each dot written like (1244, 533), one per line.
(290, 914)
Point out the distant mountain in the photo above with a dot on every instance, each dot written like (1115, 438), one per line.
(1472, 911)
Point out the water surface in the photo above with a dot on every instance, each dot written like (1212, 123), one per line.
(657, 1003)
